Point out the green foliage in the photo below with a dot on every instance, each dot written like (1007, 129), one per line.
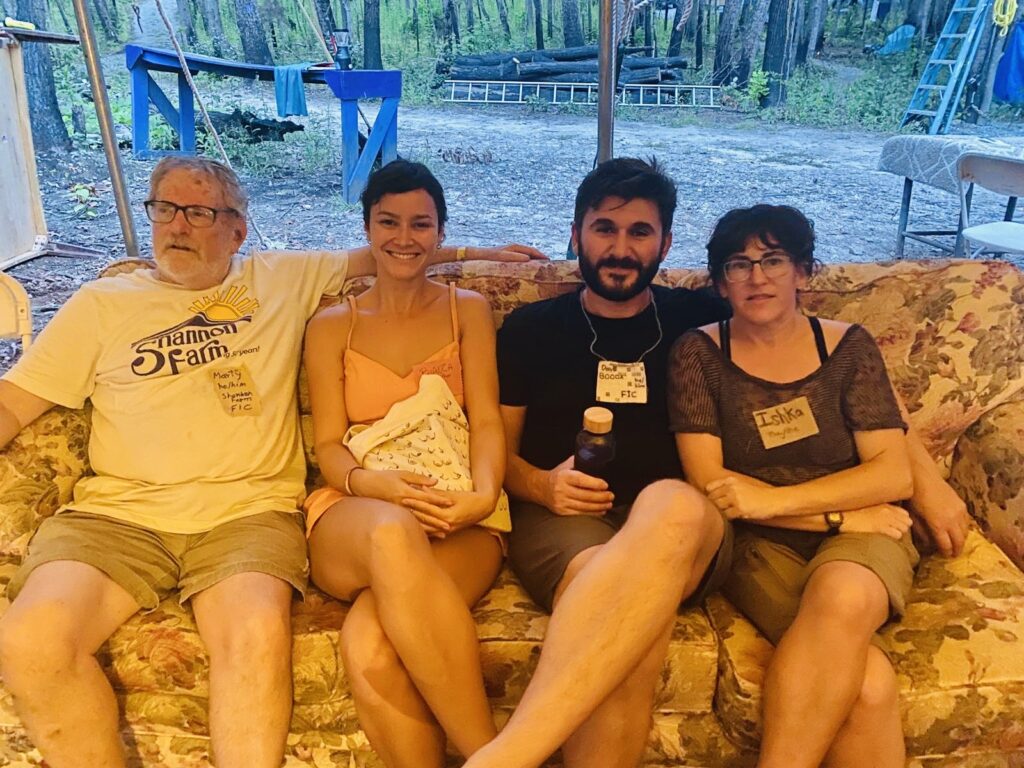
(749, 98)
(85, 200)
(874, 101)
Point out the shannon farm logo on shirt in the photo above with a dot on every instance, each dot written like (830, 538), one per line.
(198, 340)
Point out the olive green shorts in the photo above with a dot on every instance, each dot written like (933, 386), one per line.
(542, 544)
(149, 564)
(772, 565)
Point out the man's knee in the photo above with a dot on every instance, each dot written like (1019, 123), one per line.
(846, 592)
(250, 620)
(676, 507)
(38, 639)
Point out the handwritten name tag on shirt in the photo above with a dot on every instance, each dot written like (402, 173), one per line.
(786, 423)
(236, 390)
(621, 382)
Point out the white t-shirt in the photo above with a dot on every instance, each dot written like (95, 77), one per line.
(195, 421)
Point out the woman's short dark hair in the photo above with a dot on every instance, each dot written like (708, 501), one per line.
(629, 178)
(777, 226)
(400, 176)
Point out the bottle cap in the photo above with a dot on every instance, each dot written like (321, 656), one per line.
(597, 420)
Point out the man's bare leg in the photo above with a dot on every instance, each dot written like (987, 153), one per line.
(397, 720)
(48, 639)
(615, 735)
(245, 622)
(817, 672)
(873, 733)
(609, 618)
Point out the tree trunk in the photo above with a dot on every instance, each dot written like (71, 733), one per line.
(675, 39)
(503, 18)
(250, 29)
(648, 28)
(922, 21)
(776, 50)
(451, 18)
(215, 29)
(470, 17)
(481, 11)
(698, 51)
(572, 30)
(325, 15)
(416, 23)
(48, 129)
(814, 27)
(725, 62)
(551, 19)
(798, 41)
(108, 23)
(757, 18)
(371, 35)
(538, 23)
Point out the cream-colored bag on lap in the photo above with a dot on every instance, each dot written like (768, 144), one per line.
(428, 434)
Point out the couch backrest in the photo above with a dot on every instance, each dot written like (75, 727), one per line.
(950, 331)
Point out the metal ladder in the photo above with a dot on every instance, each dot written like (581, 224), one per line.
(942, 82)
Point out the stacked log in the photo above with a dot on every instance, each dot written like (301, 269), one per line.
(563, 65)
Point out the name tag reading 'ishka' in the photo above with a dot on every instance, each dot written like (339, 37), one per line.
(786, 423)
(621, 382)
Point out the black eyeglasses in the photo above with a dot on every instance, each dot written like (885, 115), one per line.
(199, 216)
(738, 269)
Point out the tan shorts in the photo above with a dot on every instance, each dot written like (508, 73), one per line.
(149, 564)
(772, 565)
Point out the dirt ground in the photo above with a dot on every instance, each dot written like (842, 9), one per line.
(510, 175)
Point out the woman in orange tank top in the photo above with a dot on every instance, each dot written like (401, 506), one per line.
(410, 558)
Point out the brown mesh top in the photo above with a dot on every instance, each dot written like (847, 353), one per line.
(849, 393)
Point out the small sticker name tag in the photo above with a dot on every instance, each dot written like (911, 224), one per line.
(236, 391)
(786, 423)
(621, 382)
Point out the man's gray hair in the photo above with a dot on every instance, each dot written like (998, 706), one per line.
(234, 193)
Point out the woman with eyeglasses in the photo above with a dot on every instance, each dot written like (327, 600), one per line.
(410, 557)
(791, 426)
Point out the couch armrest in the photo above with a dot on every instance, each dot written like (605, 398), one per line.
(38, 470)
(988, 473)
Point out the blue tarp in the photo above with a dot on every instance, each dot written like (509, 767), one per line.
(1009, 85)
(899, 41)
(289, 90)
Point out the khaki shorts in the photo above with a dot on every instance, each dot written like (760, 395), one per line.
(149, 564)
(542, 544)
(772, 565)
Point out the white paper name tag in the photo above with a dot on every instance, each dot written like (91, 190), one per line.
(786, 423)
(621, 382)
(236, 391)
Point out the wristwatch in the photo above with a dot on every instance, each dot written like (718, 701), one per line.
(834, 521)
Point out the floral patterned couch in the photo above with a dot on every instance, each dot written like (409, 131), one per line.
(951, 332)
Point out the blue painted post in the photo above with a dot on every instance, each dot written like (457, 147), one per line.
(140, 110)
(186, 117)
(350, 87)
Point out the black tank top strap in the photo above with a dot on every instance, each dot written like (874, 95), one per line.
(723, 339)
(819, 338)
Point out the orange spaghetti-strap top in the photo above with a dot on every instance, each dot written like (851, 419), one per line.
(371, 388)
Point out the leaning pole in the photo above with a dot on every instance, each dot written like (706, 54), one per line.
(106, 121)
(605, 82)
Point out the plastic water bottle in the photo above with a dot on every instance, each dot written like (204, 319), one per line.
(595, 443)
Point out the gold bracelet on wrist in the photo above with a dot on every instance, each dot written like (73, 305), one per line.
(348, 480)
(460, 253)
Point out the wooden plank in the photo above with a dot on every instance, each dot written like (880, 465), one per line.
(21, 207)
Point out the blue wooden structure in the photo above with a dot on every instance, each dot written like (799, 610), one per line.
(348, 86)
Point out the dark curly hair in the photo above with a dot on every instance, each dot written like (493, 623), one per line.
(777, 226)
(400, 176)
(629, 178)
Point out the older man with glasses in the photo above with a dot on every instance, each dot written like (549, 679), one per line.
(191, 368)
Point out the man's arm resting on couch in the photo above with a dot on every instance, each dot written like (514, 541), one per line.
(18, 409)
(360, 260)
(562, 489)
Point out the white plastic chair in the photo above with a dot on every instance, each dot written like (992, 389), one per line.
(15, 311)
(1004, 176)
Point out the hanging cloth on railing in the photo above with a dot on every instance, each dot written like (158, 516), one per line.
(1009, 83)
